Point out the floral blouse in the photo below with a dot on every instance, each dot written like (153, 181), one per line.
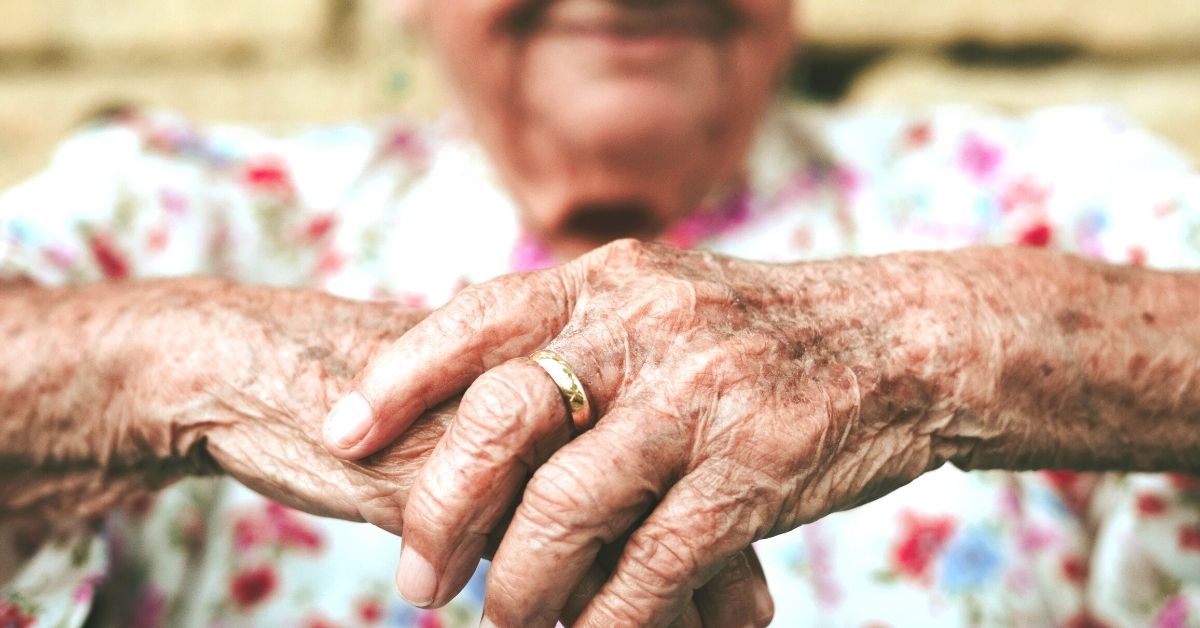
(413, 213)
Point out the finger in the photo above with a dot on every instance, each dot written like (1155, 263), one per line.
(703, 521)
(737, 595)
(508, 423)
(587, 495)
(690, 618)
(590, 586)
(479, 328)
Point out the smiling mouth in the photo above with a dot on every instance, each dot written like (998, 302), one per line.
(627, 19)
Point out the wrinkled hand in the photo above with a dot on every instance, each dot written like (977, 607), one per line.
(242, 376)
(263, 367)
(734, 401)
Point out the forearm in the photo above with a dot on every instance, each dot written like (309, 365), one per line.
(1092, 366)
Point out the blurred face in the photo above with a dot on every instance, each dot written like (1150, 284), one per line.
(607, 118)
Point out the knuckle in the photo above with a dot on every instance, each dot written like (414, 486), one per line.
(618, 608)
(428, 512)
(624, 250)
(468, 309)
(557, 498)
(494, 401)
(662, 561)
(624, 253)
(505, 411)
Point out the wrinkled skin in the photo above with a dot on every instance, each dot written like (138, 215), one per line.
(735, 400)
(199, 377)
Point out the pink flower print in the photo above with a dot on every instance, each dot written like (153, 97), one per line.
(979, 158)
(1137, 256)
(918, 135)
(249, 532)
(370, 611)
(1151, 505)
(59, 258)
(269, 176)
(1175, 614)
(921, 540)
(1189, 537)
(802, 239)
(111, 261)
(848, 180)
(1038, 235)
(291, 530)
(331, 262)
(1166, 208)
(1185, 483)
(156, 240)
(530, 253)
(86, 590)
(690, 231)
(251, 586)
(1025, 194)
(1033, 539)
(1075, 569)
(430, 620)
(407, 144)
(822, 562)
(319, 227)
(1074, 488)
(173, 201)
(805, 185)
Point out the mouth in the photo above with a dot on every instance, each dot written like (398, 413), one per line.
(627, 20)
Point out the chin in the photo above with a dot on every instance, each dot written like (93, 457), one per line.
(633, 153)
(608, 203)
(644, 126)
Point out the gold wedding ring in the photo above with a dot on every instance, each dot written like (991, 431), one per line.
(579, 409)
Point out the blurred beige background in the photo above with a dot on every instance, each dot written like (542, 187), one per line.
(280, 63)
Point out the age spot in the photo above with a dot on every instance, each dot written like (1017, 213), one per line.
(1136, 364)
(1071, 321)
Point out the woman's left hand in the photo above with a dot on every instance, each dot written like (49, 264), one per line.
(731, 401)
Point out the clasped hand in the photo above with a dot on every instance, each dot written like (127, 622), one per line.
(731, 401)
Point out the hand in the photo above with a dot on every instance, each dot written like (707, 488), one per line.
(735, 401)
(168, 378)
(123, 388)
(279, 358)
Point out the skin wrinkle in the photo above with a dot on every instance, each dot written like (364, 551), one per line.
(228, 396)
(863, 375)
(896, 328)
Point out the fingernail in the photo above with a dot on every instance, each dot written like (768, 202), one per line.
(348, 421)
(415, 579)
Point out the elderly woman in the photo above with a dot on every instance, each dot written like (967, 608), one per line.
(632, 420)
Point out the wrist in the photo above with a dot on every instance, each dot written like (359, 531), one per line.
(912, 330)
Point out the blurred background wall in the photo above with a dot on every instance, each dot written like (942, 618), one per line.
(279, 63)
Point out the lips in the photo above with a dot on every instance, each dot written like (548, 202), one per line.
(628, 19)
